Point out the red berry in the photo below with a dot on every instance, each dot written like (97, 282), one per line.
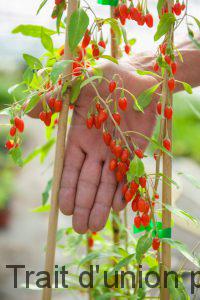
(42, 116)
(125, 155)
(174, 68)
(112, 86)
(134, 13)
(137, 221)
(134, 186)
(86, 40)
(167, 144)
(177, 8)
(147, 207)
(143, 181)
(58, 105)
(123, 10)
(128, 195)
(103, 116)
(163, 48)
(19, 123)
(149, 20)
(139, 153)
(9, 144)
(118, 151)
(96, 52)
(57, 2)
(145, 219)
(156, 196)
(13, 131)
(52, 102)
(102, 44)
(113, 164)
(97, 122)
(90, 242)
(159, 108)
(156, 67)
(168, 59)
(127, 48)
(122, 103)
(124, 189)
(183, 6)
(90, 122)
(156, 244)
(141, 205)
(107, 138)
(119, 176)
(117, 118)
(168, 112)
(134, 206)
(122, 167)
(171, 84)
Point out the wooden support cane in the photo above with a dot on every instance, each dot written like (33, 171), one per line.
(58, 167)
(167, 171)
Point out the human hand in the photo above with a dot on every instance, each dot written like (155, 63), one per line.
(88, 188)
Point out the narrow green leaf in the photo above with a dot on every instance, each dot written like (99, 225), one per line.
(143, 245)
(122, 263)
(166, 21)
(33, 101)
(145, 97)
(16, 154)
(41, 6)
(197, 21)
(143, 72)
(28, 76)
(116, 29)
(178, 293)
(32, 62)
(160, 5)
(183, 214)
(33, 30)
(45, 194)
(58, 69)
(187, 87)
(46, 41)
(109, 57)
(78, 25)
(89, 80)
(76, 89)
(41, 209)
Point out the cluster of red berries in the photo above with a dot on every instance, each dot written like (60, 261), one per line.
(178, 8)
(168, 113)
(123, 12)
(55, 105)
(97, 47)
(17, 126)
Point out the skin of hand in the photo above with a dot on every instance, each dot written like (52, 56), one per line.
(88, 188)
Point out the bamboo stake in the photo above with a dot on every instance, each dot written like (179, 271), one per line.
(167, 171)
(114, 53)
(58, 168)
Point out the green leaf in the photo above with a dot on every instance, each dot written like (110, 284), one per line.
(178, 293)
(197, 21)
(33, 30)
(143, 245)
(33, 101)
(145, 97)
(32, 62)
(165, 24)
(182, 248)
(187, 87)
(41, 209)
(116, 29)
(6, 112)
(122, 263)
(183, 214)
(76, 89)
(108, 57)
(132, 42)
(89, 80)
(60, 233)
(160, 5)
(16, 154)
(41, 6)
(58, 69)
(78, 25)
(46, 41)
(45, 194)
(13, 89)
(89, 257)
(136, 169)
(28, 76)
(143, 72)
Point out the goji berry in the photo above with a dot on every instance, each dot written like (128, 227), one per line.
(122, 103)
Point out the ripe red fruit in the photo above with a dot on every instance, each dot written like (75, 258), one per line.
(145, 219)
(119, 176)
(122, 167)
(103, 115)
(97, 122)
(9, 144)
(107, 138)
(113, 164)
(13, 130)
(167, 144)
(123, 10)
(52, 102)
(134, 186)
(139, 153)
(168, 112)
(86, 40)
(141, 205)
(147, 207)
(143, 181)
(127, 48)
(58, 105)
(156, 244)
(137, 221)
(168, 59)
(118, 151)
(149, 20)
(112, 86)
(122, 103)
(90, 122)
(96, 52)
(134, 13)
(128, 195)
(117, 118)
(177, 8)
(57, 2)
(19, 123)
(174, 68)
(163, 48)
(183, 6)
(159, 108)
(125, 155)
(156, 196)
(171, 84)
(124, 189)
(102, 44)
(90, 242)
(134, 206)
(156, 67)
(42, 116)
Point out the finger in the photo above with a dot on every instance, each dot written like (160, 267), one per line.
(73, 163)
(86, 191)
(118, 202)
(103, 200)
